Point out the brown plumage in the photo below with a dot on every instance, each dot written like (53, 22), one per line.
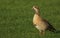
(41, 24)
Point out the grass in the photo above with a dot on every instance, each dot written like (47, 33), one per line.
(16, 18)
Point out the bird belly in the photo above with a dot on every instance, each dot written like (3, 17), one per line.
(39, 23)
(37, 27)
(41, 27)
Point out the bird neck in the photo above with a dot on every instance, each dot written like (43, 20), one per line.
(37, 12)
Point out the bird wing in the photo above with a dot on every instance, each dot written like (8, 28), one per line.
(50, 27)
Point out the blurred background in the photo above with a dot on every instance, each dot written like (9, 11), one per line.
(16, 18)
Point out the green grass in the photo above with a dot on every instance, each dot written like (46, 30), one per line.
(16, 18)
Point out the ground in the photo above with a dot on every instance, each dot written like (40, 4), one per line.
(16, 18)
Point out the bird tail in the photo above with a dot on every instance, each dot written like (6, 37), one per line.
(50, 27)
(53, 30)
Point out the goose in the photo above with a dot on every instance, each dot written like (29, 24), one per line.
(41, 24)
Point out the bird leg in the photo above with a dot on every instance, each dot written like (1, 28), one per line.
(42, 32)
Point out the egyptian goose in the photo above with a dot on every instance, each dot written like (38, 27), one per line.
(41, 24)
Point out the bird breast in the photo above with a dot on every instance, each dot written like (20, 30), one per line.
(38, 21)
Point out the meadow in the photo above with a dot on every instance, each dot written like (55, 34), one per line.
(16, 18)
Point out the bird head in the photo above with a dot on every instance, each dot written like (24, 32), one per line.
(35, 8)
